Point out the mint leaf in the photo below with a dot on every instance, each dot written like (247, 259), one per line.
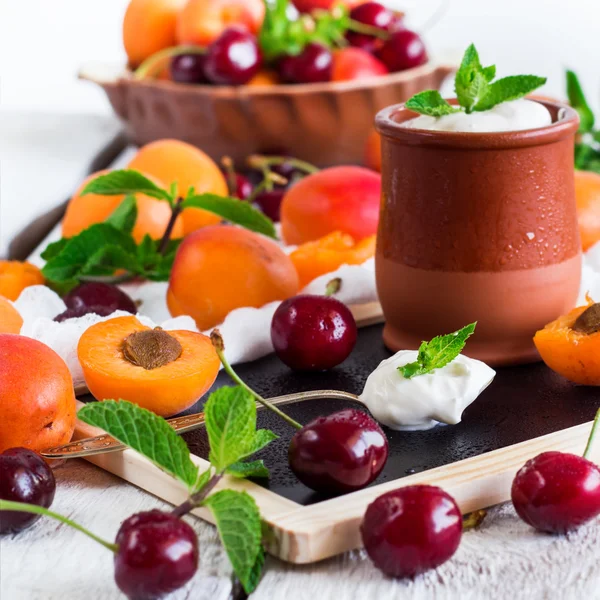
(509, 88)
(233, 210)
(489, 73)
(242, 470)
(578, 101)
(230, 415)
(438, 352)
(125, 215)
(54, 249)
(146, 433)
(430, 103)
(238, 522)
(125, 181)
(202, 480)
(81, 253)
(471, 80)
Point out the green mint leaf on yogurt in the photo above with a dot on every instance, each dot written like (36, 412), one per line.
(146, 433)
(437, 353)
(431, 103)
(475, 89)
(578, 101)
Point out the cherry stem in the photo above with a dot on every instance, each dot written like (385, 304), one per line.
(260, 161)
(473, 519)
(150, 67)
(359, 27)
(230, 175)
(217, 341)
(595, 427)
(333, 287)
(40, 510)
(269, 180)
(175, 212)
(198, 498)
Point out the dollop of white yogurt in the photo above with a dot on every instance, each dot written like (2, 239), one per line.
(425, 400)
(507, 116)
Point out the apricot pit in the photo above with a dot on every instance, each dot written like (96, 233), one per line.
(151, 349)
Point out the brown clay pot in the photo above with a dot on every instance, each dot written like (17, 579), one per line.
(477, 227)
(326, 123)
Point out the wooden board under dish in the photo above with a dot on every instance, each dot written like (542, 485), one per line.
(527, 410)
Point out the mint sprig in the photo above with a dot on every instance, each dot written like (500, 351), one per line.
(475, 89)
(437, 353)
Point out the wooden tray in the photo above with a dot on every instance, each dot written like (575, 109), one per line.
(527, 410)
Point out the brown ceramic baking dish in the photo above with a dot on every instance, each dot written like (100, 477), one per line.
(327, 123)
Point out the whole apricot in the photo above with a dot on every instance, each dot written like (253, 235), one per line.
(10, 319)
(351, 64)
(153, 215)
(162, 371)
(177, 162)
(149, 26)
(15, 276)
(37, 401)
(201, 22)
(220, 268)
(342, 199)
(587, 194)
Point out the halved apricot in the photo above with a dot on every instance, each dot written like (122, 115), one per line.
(571, 345)
(329, 253)
(163, 371)
(10, 319)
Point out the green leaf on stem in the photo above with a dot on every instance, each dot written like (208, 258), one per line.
(438, 352)
(233, 210)
(430, 103)
(230, 415)
(578, 101)
(125, 215)
(125, 181)
(509, 88)
(243, 470)
(146, 433)
(239, 525)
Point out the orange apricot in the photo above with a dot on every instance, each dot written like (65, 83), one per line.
(587, 194)
(177, 162)
(342, 199)
(153, 215)
(15, 276)
(149, 26)
(373, 152)
(314, 259)
(264, 78)
(201, 22)
(37, 407)
(163, 371)
(570, 345)
(220, 268)
(10, 319)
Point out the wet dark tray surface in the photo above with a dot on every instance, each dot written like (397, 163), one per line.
(522, 403)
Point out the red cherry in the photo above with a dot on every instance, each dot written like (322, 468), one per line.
(404, 50)
(374, 15)
(354, 63)
(243, 187)
(158, 554)
(270, 203)
(339, 453)
(99, 294)
(411, 530)
(557, 492)
(75, 313)
(313, 333)
(312, 65)
(188, 68)
(233, 58)
(24, 477)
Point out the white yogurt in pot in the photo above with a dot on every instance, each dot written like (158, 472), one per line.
(425, 400)
(507, 116)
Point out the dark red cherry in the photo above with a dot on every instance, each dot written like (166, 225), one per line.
(188, 68)
(270, 203)
(158, 554)
(233, 58)
(100, 294)
(339, 453)
(411, 530)
(312, 65)
(243, 187)
(557, 492)
(75, 313)
(313, 333)
(24, 477)
(404, 50)
(373, 14)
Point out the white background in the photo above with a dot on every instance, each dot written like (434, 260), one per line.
(43, 42)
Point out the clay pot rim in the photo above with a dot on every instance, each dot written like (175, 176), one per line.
(242, 92)
(388, 123)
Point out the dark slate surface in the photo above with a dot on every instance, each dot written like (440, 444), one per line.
(522, 403)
